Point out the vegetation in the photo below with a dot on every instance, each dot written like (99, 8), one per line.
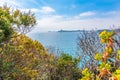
(22, 58)
(88, 45)
(108, 60)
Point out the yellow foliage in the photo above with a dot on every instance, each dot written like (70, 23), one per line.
(27, 55)
(103, 33)
(118, 52)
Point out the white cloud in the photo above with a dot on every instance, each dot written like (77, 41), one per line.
(111, 13)
(85, 14)
(17, 4)
(47, 9)
(33, 10)
(54, 23)
(43, 10)
(11, 3)
(49, 23)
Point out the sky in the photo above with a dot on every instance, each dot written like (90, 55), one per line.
(54, 15)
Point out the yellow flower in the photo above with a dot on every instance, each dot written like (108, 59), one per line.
(118, 71)
(85, 71)
(103, 33)
(118, 52)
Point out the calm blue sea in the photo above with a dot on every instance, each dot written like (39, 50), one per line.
(64, 41)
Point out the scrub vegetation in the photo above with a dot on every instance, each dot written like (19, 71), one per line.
(22, 58)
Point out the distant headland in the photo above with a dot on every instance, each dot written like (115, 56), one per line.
(69, 30)
(117, 30)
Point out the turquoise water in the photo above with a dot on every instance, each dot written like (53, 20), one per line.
(64, 41)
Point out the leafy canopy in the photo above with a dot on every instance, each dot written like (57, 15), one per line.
(14, 21)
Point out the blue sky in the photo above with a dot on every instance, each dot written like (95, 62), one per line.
(53, 15)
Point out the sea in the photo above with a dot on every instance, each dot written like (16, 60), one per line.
(63, 41)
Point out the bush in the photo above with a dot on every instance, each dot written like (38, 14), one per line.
(107, 69)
